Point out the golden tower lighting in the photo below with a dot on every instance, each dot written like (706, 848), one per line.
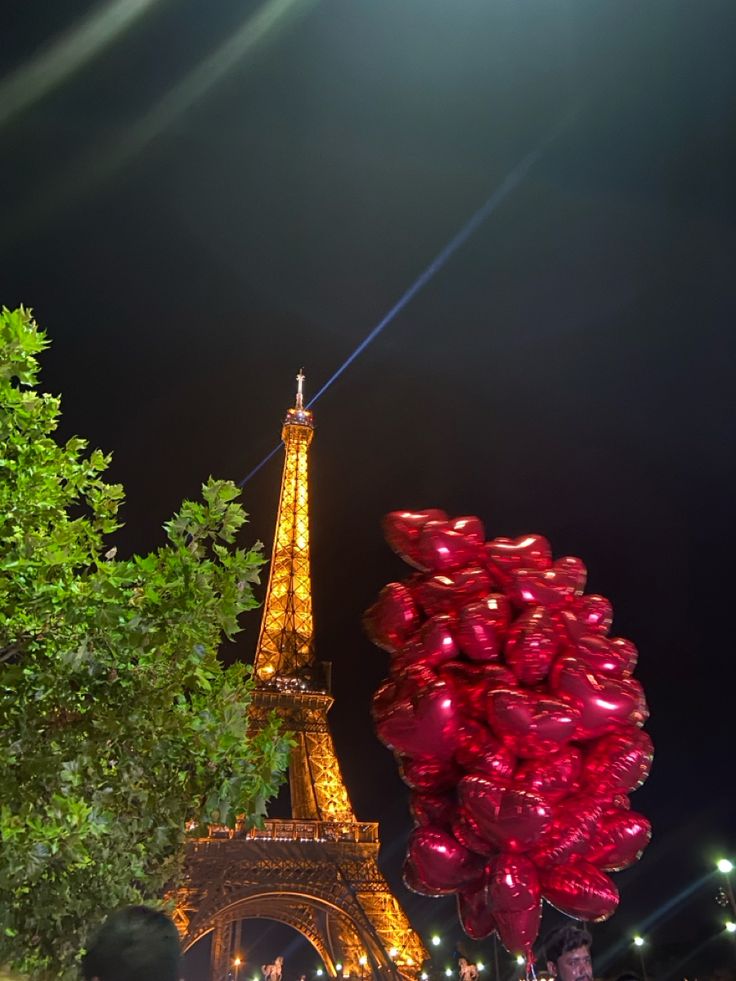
(286, 641)
(316, 870)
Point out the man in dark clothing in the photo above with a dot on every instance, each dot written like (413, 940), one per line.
(567, 952)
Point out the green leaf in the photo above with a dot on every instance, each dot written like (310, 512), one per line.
(118, 723)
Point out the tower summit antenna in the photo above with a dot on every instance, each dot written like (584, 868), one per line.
(300, 389)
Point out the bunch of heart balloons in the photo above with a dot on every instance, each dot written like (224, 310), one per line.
(516, 722)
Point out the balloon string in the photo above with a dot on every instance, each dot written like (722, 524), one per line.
(531, 974)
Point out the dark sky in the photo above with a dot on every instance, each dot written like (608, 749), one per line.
(191, 236)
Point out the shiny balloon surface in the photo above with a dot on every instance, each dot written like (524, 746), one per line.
(517, 724)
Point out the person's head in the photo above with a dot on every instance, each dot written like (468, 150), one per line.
(567, 951)
(462, 961)
(279, 961)
(135, 943)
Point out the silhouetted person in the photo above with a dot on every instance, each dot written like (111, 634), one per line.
(135, 943)
(567, 952)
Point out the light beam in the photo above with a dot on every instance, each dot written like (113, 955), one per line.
(505, 188)
(55, 63)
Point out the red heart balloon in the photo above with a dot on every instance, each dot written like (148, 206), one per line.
(580, 890)
(569, 832)
(426, 726)
(437, 640)
(517, 723)
(392, 618)
(504, 555)
(395, 727)
(415, 884)
(482, 627)
(400, 660)
(412, 680)
(474, 911)
(471, 527)
(475, 738)
(552, 588)
(468, 834)
(532, 645)
(619, 840)
(604, 704)
(433, 809)
(493, 760)
(472, 682)
(518, 930)
(620, 802)
(486, 676)
(496, 676)
(628, 650)
(593, 614)
(480, 798)
(552, 777)
(619, 762)
(440, 862)
(531, 724)
(442, 549)
(450, 591)
(606, 657)
(521, 819)
(402, 529)
(384, 699)
(513, 883)
(429, 776)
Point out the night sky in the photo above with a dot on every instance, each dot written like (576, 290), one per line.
(216, 199)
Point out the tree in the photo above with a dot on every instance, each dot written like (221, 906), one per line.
(118, 724)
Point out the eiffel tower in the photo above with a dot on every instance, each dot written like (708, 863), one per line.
(317, 871)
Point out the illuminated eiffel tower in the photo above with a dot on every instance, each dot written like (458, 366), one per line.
(317, 871)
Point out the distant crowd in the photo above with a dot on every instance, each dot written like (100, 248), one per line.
(138, 943)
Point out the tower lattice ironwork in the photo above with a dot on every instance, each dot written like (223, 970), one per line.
(316, 871)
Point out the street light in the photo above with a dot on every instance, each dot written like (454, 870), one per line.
(236, 964)
(639, 944)
(435, 940)
(480, 966)
(725, 866)
(730, 926)
(319, 972)
(520, 959)
(448, 972)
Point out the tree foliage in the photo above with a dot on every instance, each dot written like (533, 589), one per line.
(117, 722)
